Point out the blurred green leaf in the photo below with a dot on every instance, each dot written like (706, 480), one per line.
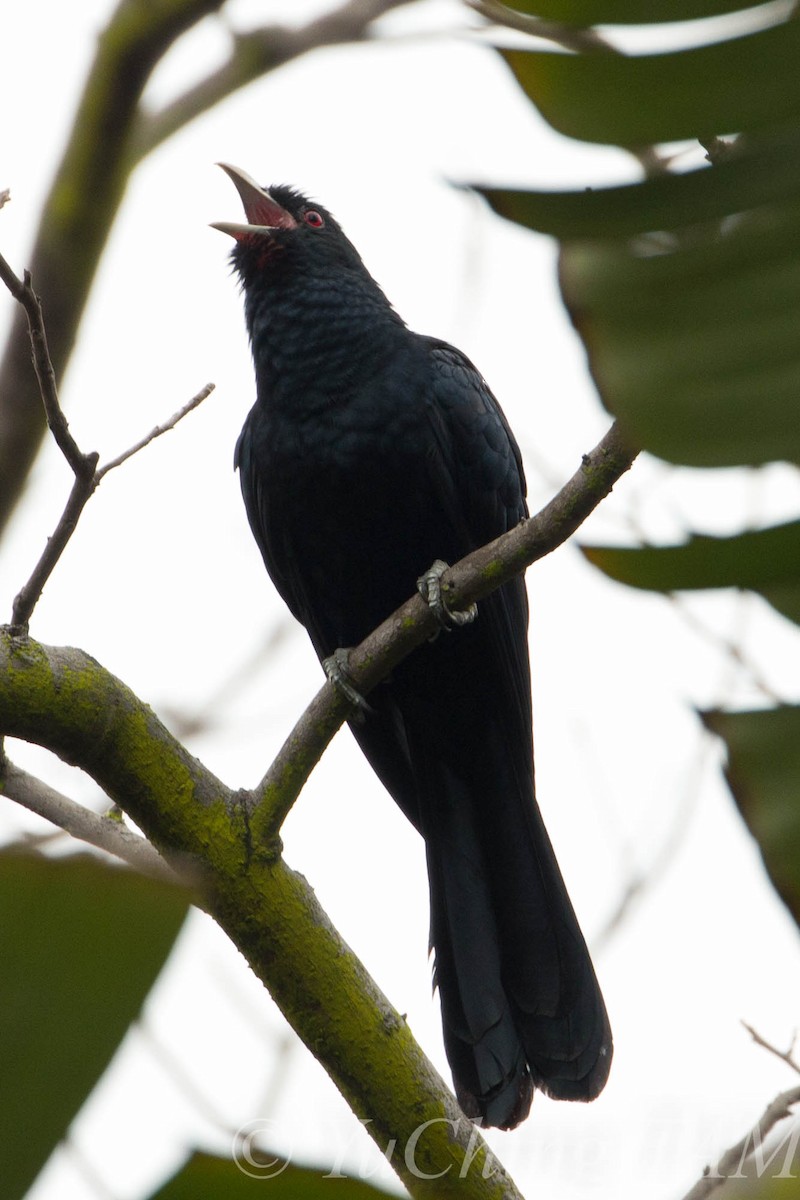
(685, 287)
(695, 349)
(744, 84)
(764, 560)
(81, 944)
(221, 1179)
(755, 253)
(756, 175)
(685, 290)
(762, 771)
(624, 12)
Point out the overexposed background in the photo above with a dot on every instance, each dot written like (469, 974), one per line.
(164, 585)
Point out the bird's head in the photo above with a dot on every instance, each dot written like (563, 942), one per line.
(284, 233)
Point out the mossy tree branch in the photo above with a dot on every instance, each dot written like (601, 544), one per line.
(65, 701)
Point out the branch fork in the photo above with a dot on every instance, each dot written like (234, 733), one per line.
(87, 474)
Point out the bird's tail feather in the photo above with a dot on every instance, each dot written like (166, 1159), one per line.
(521, 1006)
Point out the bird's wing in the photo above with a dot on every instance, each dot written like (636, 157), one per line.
(477, 450)
(474, 490)
(265, 524)
(477, 472)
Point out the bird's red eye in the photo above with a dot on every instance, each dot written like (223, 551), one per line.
(313, 218)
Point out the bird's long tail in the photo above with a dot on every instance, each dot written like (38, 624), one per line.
(521, 1005)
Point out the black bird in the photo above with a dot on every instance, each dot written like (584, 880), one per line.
(370, 452)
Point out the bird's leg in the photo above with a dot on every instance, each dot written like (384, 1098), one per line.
(429, 587)
(336, 668)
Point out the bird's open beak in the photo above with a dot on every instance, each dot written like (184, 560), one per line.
(263, 213)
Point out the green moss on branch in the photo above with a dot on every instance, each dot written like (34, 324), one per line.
(67, 702)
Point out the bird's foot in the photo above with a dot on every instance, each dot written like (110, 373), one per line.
(336, 668)
(429, 587)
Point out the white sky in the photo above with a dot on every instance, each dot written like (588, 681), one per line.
(163, 584)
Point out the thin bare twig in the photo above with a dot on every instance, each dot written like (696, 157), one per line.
(751, 1145)
(786, 1056)
(103, 832)
(27, 597)
(84, 466)
(23, 292)
(155, 432)
(580, 38)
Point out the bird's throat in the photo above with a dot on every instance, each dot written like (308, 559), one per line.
(319, 344)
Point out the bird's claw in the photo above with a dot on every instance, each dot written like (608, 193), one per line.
(336, 668)
(429, 587)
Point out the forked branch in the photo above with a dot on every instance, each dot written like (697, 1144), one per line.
(84, 466)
